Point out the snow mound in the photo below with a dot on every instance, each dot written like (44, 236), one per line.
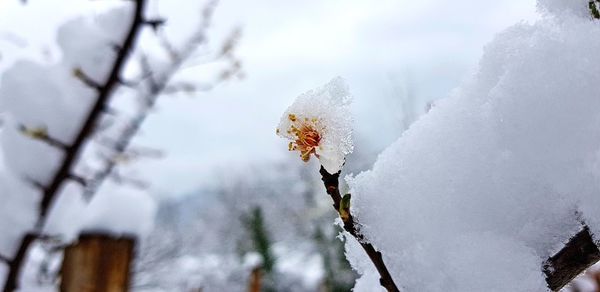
(491, 182)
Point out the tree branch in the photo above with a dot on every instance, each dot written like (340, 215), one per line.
(331, 182)
(88, 127)
(157, 84)
(16, 264)
(5, 259)
(75, 149)
(41, 134)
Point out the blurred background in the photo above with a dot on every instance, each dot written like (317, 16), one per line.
(231, 197)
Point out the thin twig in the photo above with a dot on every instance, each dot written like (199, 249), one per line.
(331, 182)
(4, 259)
(157, 84)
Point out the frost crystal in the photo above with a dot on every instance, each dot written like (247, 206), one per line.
(319, 123)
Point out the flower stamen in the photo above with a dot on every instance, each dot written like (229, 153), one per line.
(307, 137)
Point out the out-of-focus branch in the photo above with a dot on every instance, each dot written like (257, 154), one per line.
(16, 263)
(331, 182)
(87, 130)
(4, 259)
(41, 134)
(74, 150)
(157, 83)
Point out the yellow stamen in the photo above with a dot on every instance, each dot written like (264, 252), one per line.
(307, 138)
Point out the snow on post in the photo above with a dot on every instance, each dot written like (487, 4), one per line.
(319, 123)
(495, 179)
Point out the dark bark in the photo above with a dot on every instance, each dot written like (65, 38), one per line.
(331, 182)
(577, 255)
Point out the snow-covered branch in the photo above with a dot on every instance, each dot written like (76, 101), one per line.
(319, 123)
(342, 205)
(75, 148)
(154, 83)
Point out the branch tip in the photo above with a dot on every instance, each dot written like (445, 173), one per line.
(79, 74)
(154, 24)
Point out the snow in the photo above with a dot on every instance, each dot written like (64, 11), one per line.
(101, 32)
(561, 7)
(296, 263)
(326, 111)
(121, 210)
(17, 210)
(117, 209)
(487, 185)
(369, 278)
(49, 96)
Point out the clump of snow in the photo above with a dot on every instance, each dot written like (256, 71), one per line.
(17, 210)
(369, 277)
(319, 123)
(302, 265)
(562, 7)
(117, 209)
(51, 98)
(67, 213)
(94, 56)
(120, 209)
(252, 260)
(44, 103)
(487, 185)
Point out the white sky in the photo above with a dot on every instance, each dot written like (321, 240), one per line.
(287, 48)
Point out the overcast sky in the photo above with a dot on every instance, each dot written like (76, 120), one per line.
(287, 48)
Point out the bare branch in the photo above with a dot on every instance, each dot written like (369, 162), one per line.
(155, 24)
(36, 184)
(4, 259)
(78, 179)
(122, 179)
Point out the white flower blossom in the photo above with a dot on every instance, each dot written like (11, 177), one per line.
(319, 123)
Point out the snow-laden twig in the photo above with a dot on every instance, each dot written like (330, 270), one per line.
(157, 82)
(74, 150)
(331, 182)
(319, 123)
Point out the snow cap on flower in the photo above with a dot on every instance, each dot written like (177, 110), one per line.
(319, 123)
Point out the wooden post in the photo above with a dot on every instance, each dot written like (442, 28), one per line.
(97, 263)
(255, 281)
(577, 255)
